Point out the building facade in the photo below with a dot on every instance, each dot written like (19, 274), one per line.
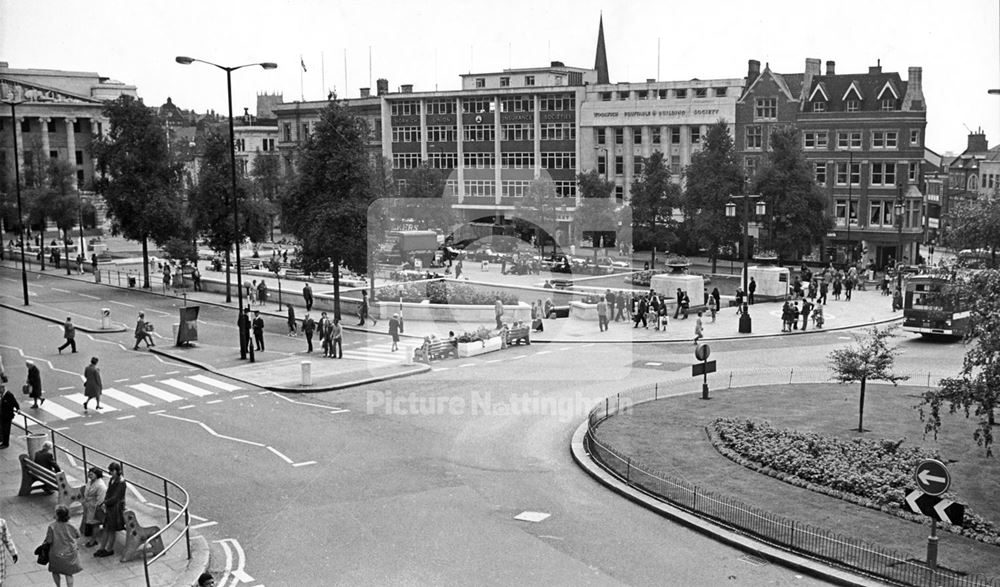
(973, 174)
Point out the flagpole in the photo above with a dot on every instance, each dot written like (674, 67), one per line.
(302, 91)
(322, 66)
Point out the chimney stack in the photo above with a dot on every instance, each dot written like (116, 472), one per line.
(877, 68)
(753, 70)
(830, 68)
(406, 88)
(812, 66)
(381, 86)
(914, 97)
(977, 142)
(366, 92)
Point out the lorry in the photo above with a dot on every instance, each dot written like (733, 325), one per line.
(403, 246)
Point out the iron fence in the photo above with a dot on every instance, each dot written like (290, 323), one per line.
(844, 551)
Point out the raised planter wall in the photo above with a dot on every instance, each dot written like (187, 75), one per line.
(479, 347)
(426, 311)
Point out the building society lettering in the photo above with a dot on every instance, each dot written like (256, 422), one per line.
(657, 113)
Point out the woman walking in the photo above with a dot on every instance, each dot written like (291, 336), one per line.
(92, 386)
(64, 551)
(93, 511)
(34, 383)
(6, 545)
(142, 332)
(292, 331)
(114, 508)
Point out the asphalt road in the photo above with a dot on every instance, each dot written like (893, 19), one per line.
(416, 481)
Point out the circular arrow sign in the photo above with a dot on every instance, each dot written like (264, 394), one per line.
(702, 351)
(932, 477)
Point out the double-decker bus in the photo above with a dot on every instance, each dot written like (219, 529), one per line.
(933, 306)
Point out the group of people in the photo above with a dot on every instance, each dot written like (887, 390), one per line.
(331, 335)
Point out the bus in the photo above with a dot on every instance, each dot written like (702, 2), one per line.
(933, 306)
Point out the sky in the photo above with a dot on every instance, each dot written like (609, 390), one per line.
(347, 44)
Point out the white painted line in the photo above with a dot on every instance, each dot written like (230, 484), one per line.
(304, 464)
(654, 364)
(543, 352)
(494, 361)
(339, 411)
(440, 368)
(68, 387)
(125, 417)
(519, 357)
(147, 376)
(565, 348)
(531, 516)
(187, 407)
(183, 386)
(214, 401)
(121, 380)
(93, 423)
(79, 398)
(61, 290)
(587, 345)
(157, 393)
(121, 303)
(281, 456)
(125, 398)
(220, 384)
(213, 432)
(241, 396)
(82, 295)
(56, 410)
(157, 412)
(468, 365)
(203, 525)
(262, 392)
(171, 372)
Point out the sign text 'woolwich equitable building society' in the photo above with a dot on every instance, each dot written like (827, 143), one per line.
(622, 123)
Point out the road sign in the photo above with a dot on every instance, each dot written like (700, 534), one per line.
(702, 351)
(702, 368)
(938, 508)
(932, 477)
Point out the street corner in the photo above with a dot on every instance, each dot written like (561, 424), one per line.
(308, 373)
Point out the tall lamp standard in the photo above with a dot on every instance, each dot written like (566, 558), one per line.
(17, 189)
(232, 154)
(900, 209)
(760, 208)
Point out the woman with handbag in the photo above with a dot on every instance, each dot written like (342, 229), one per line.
(33, 385)
(93, 511)
(114, 508)
(64, 552)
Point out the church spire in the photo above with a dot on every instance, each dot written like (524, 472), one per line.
(601, 61)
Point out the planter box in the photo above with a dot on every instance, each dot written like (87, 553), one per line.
(479, 347)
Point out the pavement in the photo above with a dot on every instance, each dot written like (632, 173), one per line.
(283, 368)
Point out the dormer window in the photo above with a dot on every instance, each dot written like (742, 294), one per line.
(819, 106)
(887, 98)
(853, 105)
(887, 105)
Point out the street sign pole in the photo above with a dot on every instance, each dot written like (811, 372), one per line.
(932, 546)
(704, 382)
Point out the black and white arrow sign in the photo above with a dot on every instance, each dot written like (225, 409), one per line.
(939, 508)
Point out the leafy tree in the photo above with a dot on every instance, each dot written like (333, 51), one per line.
(654, 198)
(326, 207)
(713, 175)
(796, 209)
(138, 178)
(53, 199)
(977, 388)
(976, 225)
(268, 182)
(597, 212)
(870, 359)
(536, 211)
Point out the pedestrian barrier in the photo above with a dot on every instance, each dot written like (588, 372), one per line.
(48, 480)
(140, 539)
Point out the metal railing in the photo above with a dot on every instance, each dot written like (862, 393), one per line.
(844, 551)
(175, 499)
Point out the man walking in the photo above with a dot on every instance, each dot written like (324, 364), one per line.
(363, 310)
(498, 313)
(258, 330)
(92, 386)
(751, 289)
(337, 342)
(697, 329)
(308, 327)
(69, 333)
(8, 407)
(325, 334)
(307, 295)
(602, 314)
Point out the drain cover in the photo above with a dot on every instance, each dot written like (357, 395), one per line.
(753, 560)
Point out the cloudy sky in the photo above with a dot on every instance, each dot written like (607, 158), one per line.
(347, 44)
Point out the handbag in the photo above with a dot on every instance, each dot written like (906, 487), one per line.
(99, 514)
(25, 389)
(149, 326)
(43, 553)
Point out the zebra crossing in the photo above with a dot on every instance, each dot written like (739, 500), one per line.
(380, 353)
(137, 395)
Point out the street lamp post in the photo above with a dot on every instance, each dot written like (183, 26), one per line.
(900, 209)
(232, 154)
(759, 209)
(17, 190)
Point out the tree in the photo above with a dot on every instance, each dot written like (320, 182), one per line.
(654, 198)
(53, 199)
(597, 212)
(268, 183)
(326, 206)
(975, 224)
(977, 388)
(870, 359)
(796, 209)
(138, 178)
(536, 211)
(712, 177)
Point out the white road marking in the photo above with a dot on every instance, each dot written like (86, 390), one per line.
(125, 398)
(281, 456)
(83, 295)
(565, 348)
(120, 303)
(79, 398)
(57, 410)
(187, 407)
(68, 387)
(203, 525)
(241, 397)
(305, 463)
(654, 364)
(493, 361)
(220, 384)
(333, 409)
(157, 393)
(214, 401)
(181, 385)
(92, 423)
(208, 429)
(125, 417)
(468, 365)
(543, 352)
(531, 516)
(147, 376)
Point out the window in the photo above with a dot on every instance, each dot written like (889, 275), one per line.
(636, 136)
(79, 176)
(884, 139)
(480, 82)
(405, 160)
(842, 173)
(558, 160)
(754, 137)
(815, 139)
(51, 126)
(656, 135)
(529, 80)
(750, 165)
(504, 82)
(701, 92)
(406, 134)
(695, 135)
(840, 212)
(605, 96)
(766, 109)
(623, 95)
(514, 188)
(286, 131)
(662, 94)
(404, 108)
(79, 157)
(915, 137)
(268, 145)
(675, 135)
(304, 132)
(558, 131)
(478, 132)
(558, 103)
(619, 165)
(25, 125)
(479, 160)
(887, 105)
(601, 136)
(441, 107)
(565, 188)
(619, 192)
(850, 139)
(602, 164)
(642, 94)
(637, 166)
(913, 173)
(442, 160)
(675, 164)
(480, 188)
(819, 106)
(558, 80)
(476, 105)
(518, 104)
(853, 105)
(680, 94)
(883, 174)
(515, 160)
(517, 132)
(619, 136)
(442, 134)
(819, 172)
(880, 213)
(76, 126)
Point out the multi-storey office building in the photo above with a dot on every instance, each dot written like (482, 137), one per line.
(863, 135)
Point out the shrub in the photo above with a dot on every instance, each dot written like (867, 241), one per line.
(443, 292)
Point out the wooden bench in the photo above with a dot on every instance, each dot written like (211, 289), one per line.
(435, 349)
(517, 335)
(136, 536)
(694, 310)
(36, 477)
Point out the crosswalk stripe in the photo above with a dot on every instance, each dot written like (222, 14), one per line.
(78, 398)
(157, 393)
(220, 384)
(58, 411)
(125, 398)
(376, 359)
(186, 387)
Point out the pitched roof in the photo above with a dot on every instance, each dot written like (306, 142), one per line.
(869, 85)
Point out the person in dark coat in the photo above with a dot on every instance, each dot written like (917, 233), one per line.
(243, 322)
(45, 458)
(114, 508)
(291, 321)
(69, 333)
(258, 330)
(8, 407)
(308, 327)
(640, 314)
(64, 549)
(307, 295)
(92, 386)
(751, 289)
(34, 382)
(394, 329)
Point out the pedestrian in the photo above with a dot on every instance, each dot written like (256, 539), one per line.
(785, 313)
(114, 510)
(8, 407)
(337, 340)
(537, 311)
(326, 334)
(79, 263)
(69, 333)
(602, 314)
(6, 545)
(697, 329)
(243, 323)
(93, 263)
(34, 383)
(751, 289)
(261, 293)
(142, 333)
(806, 310)
(307, 295)
(251, 291)
(837, 286)
(662, 317)
(715, 302)
(166, 276)
(93, 512)
(793, 315)
(64, 549)
(196, 278)
(458, 269)
(498, 313)
(45, 458)
(848, 287)
(817, 316)
(292, 331)
(308, 327)
(92, 386)
(897, 300)
(679, 299)
(824, 289)
(258, 330)
(394, 328)
(363, 311)
(642, 307)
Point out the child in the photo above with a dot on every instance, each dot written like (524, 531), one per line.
(697, 329)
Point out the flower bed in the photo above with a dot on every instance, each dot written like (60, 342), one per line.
(443, 292)
(874, 473)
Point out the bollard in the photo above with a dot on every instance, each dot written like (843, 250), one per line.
(105, 318)
(306, 373)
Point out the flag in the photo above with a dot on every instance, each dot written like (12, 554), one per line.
(302, 61)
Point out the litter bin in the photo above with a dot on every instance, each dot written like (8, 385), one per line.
(34, 443)
(174, 328)
(306, 372)
(745, 323)
(105, 318)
